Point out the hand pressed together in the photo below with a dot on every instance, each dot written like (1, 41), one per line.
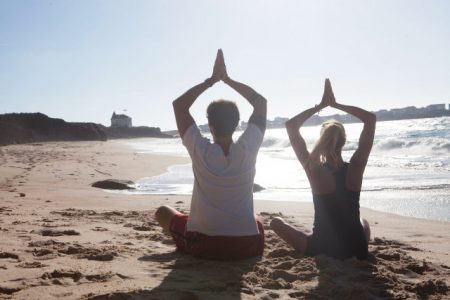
(219, 70)
(328, 98)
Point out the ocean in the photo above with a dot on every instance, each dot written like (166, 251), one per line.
(408, 172)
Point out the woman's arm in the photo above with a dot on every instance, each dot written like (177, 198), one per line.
(293, 130)
(182, 104)
(293, 125)
(361, 154)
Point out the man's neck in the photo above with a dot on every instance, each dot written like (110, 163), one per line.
(224, 142)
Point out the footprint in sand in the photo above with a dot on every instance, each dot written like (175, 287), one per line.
(147, 294)
(57, 274)
(44, 250)
(9, 290)
(99, 254)
(77, 276)
(55, 232)
(99, 228)
(143, 227)
(9, 255)
(5, 209)
(48, 253)
(30, 265)
(46, 243)
(51, 247)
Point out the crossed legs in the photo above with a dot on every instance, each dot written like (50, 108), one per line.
(164, 215)
(299, 240)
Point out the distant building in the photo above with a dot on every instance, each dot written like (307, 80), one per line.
(118, 120)
(277, 122)
(409, 109)
(435, 107)
(409, 112)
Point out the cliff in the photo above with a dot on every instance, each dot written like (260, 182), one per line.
(36, 127)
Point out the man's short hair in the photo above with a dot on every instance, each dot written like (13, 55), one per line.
(223, 117)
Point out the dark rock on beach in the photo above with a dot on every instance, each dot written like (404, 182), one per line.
(114, 184)
(257, 188)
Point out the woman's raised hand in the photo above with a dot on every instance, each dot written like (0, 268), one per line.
(328, 98)
(220, 70)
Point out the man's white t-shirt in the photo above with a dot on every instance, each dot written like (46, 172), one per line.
(222, 198)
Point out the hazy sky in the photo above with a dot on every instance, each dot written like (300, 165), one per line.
(82, 60)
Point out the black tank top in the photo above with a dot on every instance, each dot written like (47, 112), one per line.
(337, 230)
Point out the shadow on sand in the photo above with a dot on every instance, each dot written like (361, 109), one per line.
(348, 279)
(190, 278)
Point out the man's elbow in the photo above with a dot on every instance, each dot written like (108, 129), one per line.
(263, 102)
(260, 105)
(175, 103)
(178, 105)
(372, 119)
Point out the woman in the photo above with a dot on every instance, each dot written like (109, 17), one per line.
(338, 230)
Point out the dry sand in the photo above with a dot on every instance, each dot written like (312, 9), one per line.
(61, 238)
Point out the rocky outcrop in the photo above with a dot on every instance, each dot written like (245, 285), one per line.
(257, 188)
(134, 132)
(37, 127)
(114, 184)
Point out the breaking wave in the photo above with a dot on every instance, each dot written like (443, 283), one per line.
(421, 144)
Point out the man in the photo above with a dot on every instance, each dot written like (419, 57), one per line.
(221, 224)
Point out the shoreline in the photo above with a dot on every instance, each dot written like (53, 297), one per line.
(365, 199)
(63, 238)
(407, 174)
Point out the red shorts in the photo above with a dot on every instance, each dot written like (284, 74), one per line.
(215, 247)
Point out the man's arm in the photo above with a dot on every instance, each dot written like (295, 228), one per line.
(182, 104)
(259, 103)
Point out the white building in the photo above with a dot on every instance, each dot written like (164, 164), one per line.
(118, 120)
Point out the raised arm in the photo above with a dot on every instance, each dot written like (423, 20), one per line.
(293, 125)
(259, 103)
(369, 119)
(182, 104)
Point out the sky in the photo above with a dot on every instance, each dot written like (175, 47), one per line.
(81, 60)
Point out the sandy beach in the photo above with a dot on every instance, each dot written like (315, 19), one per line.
(62, 238)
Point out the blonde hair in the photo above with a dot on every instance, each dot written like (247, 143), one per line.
(328, 148)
